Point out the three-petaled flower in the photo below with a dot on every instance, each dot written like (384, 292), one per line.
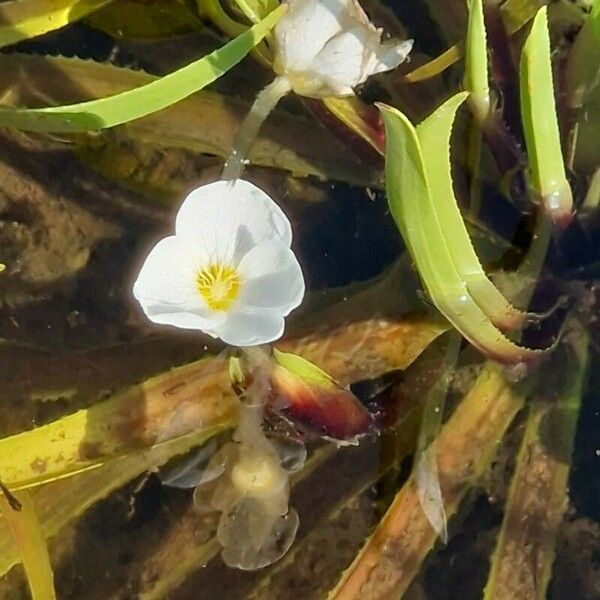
(228, 270)
(328, 47)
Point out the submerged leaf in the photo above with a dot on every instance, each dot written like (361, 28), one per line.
(426, 473)
(410, 184)
(582, 73)
(142, 20)
(176, 404)
(204, 123)
(366, 349)
(538, 494)
(515, 15)
(149, 98)
(312, 399)
(540, 124)
(476, 63)
(393, 555)
(434, 133)
(24, 19)
(60, 502)
(25, 529)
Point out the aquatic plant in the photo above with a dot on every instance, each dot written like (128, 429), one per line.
(303, 408)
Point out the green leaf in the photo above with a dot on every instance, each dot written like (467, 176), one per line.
(24, 19)
(304, 369)
(434, 139)
(144, 417)
(255, 10)
(141, 101)
(476, 63)
(582, 74)
(410, 199)
(143, 20)
(515, 14)
(540, 124)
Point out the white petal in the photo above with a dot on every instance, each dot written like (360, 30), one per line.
(272, 278)
(388, 56)
(165, 288)
(341, 63)
(245, 328)
(356, 13)
(303, 31)
(228, 218)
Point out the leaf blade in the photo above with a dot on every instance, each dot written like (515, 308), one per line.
(409, 197)
(433, 134)
(144, 100)
(540, 123)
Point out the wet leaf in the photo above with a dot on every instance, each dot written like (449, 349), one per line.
(434, 132)
(476, 63)
(394, 553)
(59, 502)
(139, 102)
(176, 404)
(366, 349)
(582, 82)
(538, 494)
(205, 123)
(143, 20)
(29, 538)
(426, 471)
(472, 304)
(582, 73)
(540, 124)
(515, 15)
(311, 399)
(24, 19)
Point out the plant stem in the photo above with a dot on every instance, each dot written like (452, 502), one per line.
(265, 102)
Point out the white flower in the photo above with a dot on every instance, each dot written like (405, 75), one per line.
(328, 47)
(228, 270)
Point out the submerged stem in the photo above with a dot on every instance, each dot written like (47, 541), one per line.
(265, 102)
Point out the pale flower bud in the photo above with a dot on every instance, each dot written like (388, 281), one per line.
(328, 47)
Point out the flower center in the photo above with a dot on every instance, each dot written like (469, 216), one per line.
(219, 285)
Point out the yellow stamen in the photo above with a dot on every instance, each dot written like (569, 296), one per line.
(219, 285)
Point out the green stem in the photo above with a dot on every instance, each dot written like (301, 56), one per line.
(265, 102)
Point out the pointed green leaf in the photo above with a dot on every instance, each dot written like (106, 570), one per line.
(141, 101)
(410, 199)
(255, 10)
(434, 138)
(476, 63)
(540, 123)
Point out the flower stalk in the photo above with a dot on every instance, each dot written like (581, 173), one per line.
(265, 102)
